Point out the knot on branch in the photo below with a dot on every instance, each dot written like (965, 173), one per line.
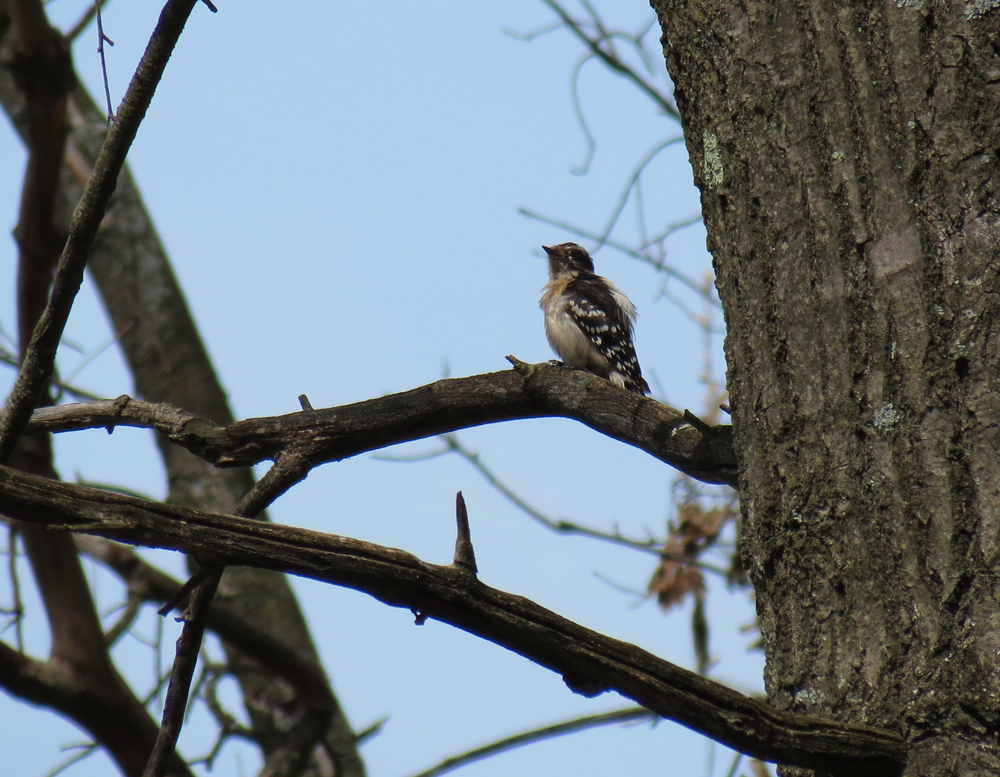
(522, 368)
(585, 686)
(118, 407)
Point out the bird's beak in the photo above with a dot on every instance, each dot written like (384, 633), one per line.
(548, 250)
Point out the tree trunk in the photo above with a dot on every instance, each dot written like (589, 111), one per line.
(847, 156)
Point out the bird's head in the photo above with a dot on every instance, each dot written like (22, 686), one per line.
(568, 258)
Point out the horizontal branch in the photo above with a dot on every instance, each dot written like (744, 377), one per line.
(589, 662)
(333, 434)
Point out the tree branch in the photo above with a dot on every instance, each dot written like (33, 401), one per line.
(589, 662)
(333, 434)
(103, 707)
(288, 469)
(297, 668)
(612, 61)
(169, 364)
(39, 359)
(179, 687)
(535, 735)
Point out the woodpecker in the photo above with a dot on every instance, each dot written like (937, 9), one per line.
(588, 320)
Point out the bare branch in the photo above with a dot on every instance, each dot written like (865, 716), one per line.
(17, 607)
(288, 469)
(334, 434)
(133, 606)
(536, 735)
(116, 720)
(188, 645)
(560, 526)
(298, 669)
(632, 183)
(85, 19)
(574, 90)
(101, 40)
(657, 264)
(590, 663)
(39, 359)
(612, 61)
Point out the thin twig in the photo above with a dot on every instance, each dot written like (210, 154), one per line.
(96, 352)
(155, 648)
(101, 40)
(85, 752)
(84, 21)
(638, 597)
(581, 117)
(527, 37)
(403, 458)
(640, 210)
(613, 62)
(132, 608)
(60, 386)
(658, 265)
(633, 179)
(735, 766)
(563, 526)
(114, 488)
(227, 723)
(537, 735)
(647, 58)
(15, 585)
(671, 229)
(604, 34)
(688, 312)
(560, 526)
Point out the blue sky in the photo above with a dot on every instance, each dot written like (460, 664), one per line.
(338, 187)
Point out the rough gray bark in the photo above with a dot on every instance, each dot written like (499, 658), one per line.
(847, 158)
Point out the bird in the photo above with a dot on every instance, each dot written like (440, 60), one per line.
(589, 320)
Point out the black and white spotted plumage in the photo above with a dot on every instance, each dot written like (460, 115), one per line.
(588, 320)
